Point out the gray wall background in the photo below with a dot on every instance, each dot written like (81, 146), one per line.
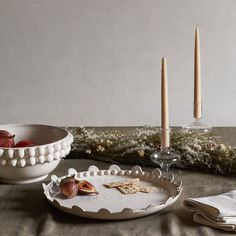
(97, 62)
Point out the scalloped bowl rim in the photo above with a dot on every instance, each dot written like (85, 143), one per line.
(35, 146)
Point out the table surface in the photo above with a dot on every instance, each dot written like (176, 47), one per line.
(25, 211)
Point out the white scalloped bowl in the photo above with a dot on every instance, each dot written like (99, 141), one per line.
(32, 164)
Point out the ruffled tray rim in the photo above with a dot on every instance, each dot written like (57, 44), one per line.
(114, 170)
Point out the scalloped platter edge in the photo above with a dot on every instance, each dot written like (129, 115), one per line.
(173, 187)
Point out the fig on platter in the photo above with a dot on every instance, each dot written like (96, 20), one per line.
(25, 143)
(69, 189)
(85, 187)
(67, 179)
(6, 139)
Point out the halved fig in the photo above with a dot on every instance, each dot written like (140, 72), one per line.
(84, 187)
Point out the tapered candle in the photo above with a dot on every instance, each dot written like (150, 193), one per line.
(197, 112)
(165, 133)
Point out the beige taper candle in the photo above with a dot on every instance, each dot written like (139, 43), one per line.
(197, 111)
(165, 133)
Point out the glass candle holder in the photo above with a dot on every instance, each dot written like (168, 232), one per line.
(164, 157)
(197, 127)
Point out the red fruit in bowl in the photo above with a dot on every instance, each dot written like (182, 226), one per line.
(6, 139)
(25, 143)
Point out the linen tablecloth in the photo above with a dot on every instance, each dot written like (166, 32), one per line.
(25, 211)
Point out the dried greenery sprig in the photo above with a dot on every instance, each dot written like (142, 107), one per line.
(197, 152)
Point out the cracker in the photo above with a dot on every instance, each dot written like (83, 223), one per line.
(146, 189)
(122, 183)
(128, 189)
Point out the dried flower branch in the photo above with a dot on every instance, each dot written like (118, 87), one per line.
(197, 152)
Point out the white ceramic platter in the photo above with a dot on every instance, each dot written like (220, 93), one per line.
(110, 204)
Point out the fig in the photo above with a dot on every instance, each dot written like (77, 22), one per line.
(6, 139)
(25, 143)
(84, 187)
(67, 179)
(69, 189)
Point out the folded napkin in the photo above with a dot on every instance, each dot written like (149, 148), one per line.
(215, 211)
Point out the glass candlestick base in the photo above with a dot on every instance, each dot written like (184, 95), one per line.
(196, 127)
(164, 158)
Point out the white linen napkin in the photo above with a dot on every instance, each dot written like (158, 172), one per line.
(215, 211)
